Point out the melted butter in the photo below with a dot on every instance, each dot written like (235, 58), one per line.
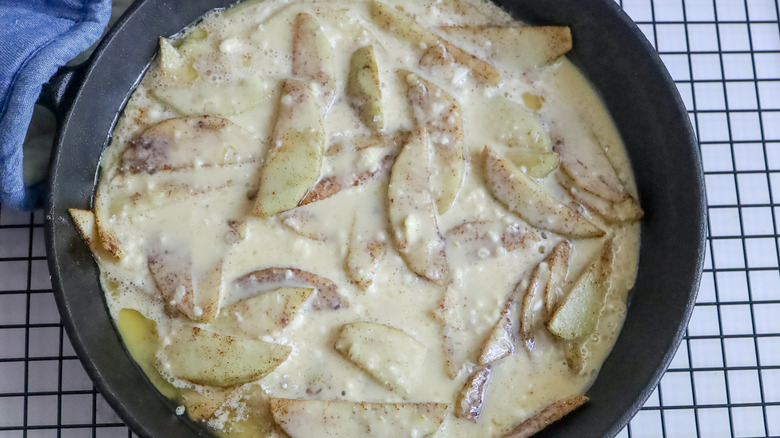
(193, 208)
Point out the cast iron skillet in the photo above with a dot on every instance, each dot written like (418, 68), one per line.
(608, 48)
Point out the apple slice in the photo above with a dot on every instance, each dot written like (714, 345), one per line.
(515, 126)
(405, 27)
(523, 196)
(389, 355)
(265, 313)
(298, 111)
(412, 211)
(546, 417)
(174, 64)
(207, 358)
(326, 298)
(189, 142)
(579, 312)
(588, 167)
(626, 210)
(363, 88)
(202, 406)
(312, 58)
(103, 221)
(332, 184)
(289, 172)
(483, 239)
(558, 262)
(85, 224)
(366, 250)
(501, 341)
(523, 48)
(335, 418)
(537, 164)
(171, 269)
(305, 224)
(471, 398)
(441, 115)
(220, 98)
(532, 313)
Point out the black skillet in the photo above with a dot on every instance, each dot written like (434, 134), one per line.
(608, 48)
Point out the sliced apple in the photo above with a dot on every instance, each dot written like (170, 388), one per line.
(174, 64)
(405, 27)
(305, 224)
(327, 296)
(579, 312)
(623, 211)
(366, 250)
(211, 97)
(546, 416)
(532, 311)
(471, 398)
(441, 115)
(265, 313)
(412, 211)
(363, 88)
(289, 172)
(587, 165)
(171, 269)
(515, 126)
(103, 220)
(298, 111)
(484, 239)
(335, 418)
(558, 262)
(501, 341)
(85, 224)
(332, 184)
(189, 142)
(389, 355)
(207, 358)
(525, 197)
(537, 164)
(312, 58)
(202, 406)
(521, 48)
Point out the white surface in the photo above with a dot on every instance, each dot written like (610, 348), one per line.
(724, 381)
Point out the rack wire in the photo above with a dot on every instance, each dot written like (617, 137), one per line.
(724, 381)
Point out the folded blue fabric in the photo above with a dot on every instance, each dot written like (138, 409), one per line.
(36, 38)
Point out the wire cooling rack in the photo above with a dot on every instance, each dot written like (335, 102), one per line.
(724, 56)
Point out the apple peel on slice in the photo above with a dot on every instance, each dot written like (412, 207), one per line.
(525, 197)
(472, 397)
(327, 296)
(546, 416)
(189, 142)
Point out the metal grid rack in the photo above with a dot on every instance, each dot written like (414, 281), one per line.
(724, 56)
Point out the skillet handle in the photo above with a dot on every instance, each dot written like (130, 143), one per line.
(57, 94)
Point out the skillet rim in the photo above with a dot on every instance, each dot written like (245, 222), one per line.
(56, 219)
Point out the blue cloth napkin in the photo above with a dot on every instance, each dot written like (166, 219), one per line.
(36, 38)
